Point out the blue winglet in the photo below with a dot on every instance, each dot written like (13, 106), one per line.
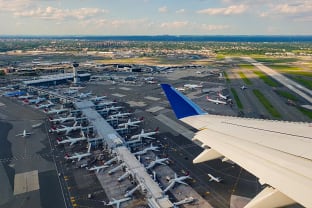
(181, 105)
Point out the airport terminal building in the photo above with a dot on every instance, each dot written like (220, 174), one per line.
(56, 79)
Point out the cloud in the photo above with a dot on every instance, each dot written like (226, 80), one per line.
(231, 10)
(15, 5)
(180, 11)
(163, 9)
(296, 11)
(206, 27)
(60, 14)
(174, 24)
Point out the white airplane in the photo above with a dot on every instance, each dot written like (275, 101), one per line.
(120, 115)
(76, 87)
(71, 140)
(70, 92)
(192, 86)
(138, 140)
(157, 161)
(243, 87)
(146, 135)
(175, 180)
(84, 95)
(48, 105)
(224, 97)
(97, 99)
(56, 111)
(67, 129)
(216, 101)
(106, 103)
(144, 151)
(24, 134)
(62, 119)
(280, 150)
(131, 123)
(22, 97)
(117, 202)
(98, 168)
(216, 179)
(79, 156)
(34, 101)
(184, 201)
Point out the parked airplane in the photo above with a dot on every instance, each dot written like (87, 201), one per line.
(279, 150)
(34, 101)
(67, 129)
(71, 140)
(224, 97)
(70, 92)
(24, 134)
(49, 104)
(105, 104)
(120, 115)
(216, 179)
(22, 97)
(144, 151)
(184, 201)
(175, 180)
(97, 99)
(79, 156)
(131, 123)
(98, 168)
(157, 161)
(56, 111)
(243, 87)
(62, 119)
(84, 95)
(117, 202)
(146, 135)
(192, 86)
(216, 101)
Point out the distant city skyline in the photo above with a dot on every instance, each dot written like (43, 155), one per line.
(155, 17)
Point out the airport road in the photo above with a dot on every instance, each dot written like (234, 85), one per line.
(26, 162)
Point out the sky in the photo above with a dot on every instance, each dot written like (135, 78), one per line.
(156, 17)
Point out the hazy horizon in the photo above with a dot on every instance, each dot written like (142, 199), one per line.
(150, 17)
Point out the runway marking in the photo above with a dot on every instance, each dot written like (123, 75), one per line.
(125, 88)
(118, 95)
(2, 104)
(138, 104)
(26, 182)
(152, 98)
(155, 109)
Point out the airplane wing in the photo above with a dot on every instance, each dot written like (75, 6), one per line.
(277, 152)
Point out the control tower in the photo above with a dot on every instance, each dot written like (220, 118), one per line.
(76, 78)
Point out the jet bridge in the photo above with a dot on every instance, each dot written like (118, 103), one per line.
(154, 195)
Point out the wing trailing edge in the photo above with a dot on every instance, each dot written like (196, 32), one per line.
(181, 105)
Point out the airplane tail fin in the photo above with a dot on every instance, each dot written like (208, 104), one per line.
(181, 105)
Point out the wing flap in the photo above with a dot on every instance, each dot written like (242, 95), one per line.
(285, 172)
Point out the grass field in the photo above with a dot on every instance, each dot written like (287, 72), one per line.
(266, 103)
(275, 60)
(246, 66)
(236, 98)
(266, 79)
(286, 95)
(305, 82)
(244, 78)
(305, 111)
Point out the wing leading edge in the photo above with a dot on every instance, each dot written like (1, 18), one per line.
(278, 153)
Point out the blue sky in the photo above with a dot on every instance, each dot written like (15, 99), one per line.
(156, 17)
